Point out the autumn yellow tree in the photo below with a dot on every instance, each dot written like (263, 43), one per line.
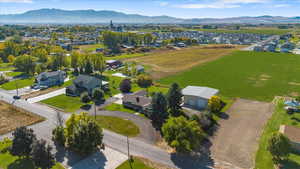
(215, 104)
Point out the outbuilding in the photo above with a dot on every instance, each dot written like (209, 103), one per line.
(197, 97)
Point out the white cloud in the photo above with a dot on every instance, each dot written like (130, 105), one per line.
(163, 3)
(282, 5)
(220, 4)
(16, 1)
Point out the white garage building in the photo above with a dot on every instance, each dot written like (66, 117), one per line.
(197, 97)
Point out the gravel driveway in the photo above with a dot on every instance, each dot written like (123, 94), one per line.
(236, 140)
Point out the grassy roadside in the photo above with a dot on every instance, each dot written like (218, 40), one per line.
(136, 164)
(263, 158)
(20, 82)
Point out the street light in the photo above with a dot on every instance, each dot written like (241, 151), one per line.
(128, 154)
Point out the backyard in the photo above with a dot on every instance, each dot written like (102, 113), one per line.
(12, 117)
(251, 75)
(168, 62)
(279, 117)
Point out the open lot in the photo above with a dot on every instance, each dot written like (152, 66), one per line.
(12, 117)
(263, 158)
(236, 140)
(168, 62)
(252, 75)
(90, 48)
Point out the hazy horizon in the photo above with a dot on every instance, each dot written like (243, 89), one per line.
(174, 8)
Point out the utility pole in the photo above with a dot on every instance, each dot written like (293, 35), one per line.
(17, 88)
(129, 159)
(95, 109)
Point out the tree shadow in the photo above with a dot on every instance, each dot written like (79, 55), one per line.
(200, 159)
(296, 119)
(289, 164)
(21, 163)
(86, 107)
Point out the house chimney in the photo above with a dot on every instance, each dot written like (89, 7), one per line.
(137, 99)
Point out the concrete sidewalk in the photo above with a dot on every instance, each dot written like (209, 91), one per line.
(47, 96)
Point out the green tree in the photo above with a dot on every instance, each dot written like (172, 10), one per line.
(98, 95)
(41, 54)
(125, 86)
(99, 63)
(58, 135)
(112, 41)
(23, 139)
(25, 63)
(158, 113)
(144, 81)
(88, 67)
(215, 104)
(11, 58)
(75, 58)
(41, 155)
(85, 98)
(182, 134)
(279, 147)
(174, 97)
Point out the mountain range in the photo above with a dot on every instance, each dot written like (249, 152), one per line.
(52, 16)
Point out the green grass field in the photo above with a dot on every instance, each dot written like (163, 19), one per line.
(270, 31)
(136, 164)
(66, 103)
(118, 125)
(118, 107)
(90, 48)
(263, 158)
(125, 56)
(13, 74)
(20, 83)
(252, 75)
(8, 161)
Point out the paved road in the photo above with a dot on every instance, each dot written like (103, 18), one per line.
(112, 140)
(47, 96)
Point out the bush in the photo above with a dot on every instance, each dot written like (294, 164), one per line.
(182, 134)
(215, 104)
(85, 98)
(3, 79)
(41, 154)
(58, 135)
(125, 86)
(144, 81)
(279, 147)
(23, 139)
(98, 95)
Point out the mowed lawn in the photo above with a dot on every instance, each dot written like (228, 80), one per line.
(136, 164)
(118, 125)
(12, 117)
(8, 161)
(251, 75)
(65, 103)
(20, 83)
(263, 157)
(168, 62)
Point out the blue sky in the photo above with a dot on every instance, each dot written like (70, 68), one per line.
(176, 8)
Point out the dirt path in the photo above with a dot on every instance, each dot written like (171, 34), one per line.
(236, 140)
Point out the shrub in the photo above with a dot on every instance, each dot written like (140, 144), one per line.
(125, 86)
(58, 135)
(144, 81)
(215, 104)
(85, 98)
(279, 147)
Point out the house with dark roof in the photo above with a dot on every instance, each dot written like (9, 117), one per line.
(197, 97)
(49, 79)
(137, 101)
(84, 83)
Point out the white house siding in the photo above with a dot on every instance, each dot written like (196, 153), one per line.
(195, 102)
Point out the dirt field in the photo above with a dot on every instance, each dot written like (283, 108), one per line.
(236, 141)
(12, 117)
(168, 62)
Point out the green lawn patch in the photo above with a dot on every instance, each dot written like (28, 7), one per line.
(252, 75)
(13, 74)
(8, 161)
(91, 48)
(118, 107)
(118, 125)
(20, 83)
(66, 103)
(263, 158)
(137, 164)
(6, 67)
(125, 56)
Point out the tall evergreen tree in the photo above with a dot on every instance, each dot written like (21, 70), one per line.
(41, 155)
(23, 139)
(88, 68)
(174, 97)
(158, 113)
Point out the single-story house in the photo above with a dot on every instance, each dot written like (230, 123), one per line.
(114, 63)
(49, 79)
(137, 101)
(84, 83)
(293, 134)
(197, 97)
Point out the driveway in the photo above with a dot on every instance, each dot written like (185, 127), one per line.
(236, 140)
(47, 96)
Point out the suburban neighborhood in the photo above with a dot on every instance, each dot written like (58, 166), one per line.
(88, 89)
